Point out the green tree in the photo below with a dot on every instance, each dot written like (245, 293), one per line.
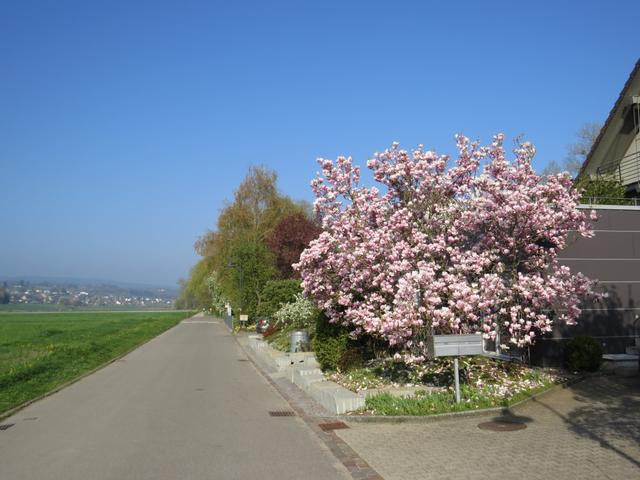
(236, 249)
(602, 190)
(195, 291)
(250, 268)
(276, 293)
(218, 299)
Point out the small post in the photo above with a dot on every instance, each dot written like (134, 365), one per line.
(456, 375)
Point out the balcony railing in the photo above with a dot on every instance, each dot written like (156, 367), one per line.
(627, 170)
(633, 202)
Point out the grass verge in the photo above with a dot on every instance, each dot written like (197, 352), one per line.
(40, 352)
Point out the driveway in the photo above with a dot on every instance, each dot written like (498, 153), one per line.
(588, 431)
(186, 405)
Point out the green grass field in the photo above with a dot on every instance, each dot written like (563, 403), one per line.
(49, 307)
(40, 351)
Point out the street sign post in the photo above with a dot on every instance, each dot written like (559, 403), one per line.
(456, 346)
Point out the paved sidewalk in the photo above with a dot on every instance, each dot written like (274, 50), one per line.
(588, 431)
(313, 414)
(188, 405)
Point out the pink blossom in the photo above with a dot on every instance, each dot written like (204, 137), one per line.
(476, 243)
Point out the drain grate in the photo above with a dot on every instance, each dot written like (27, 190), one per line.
(30, 419)
(243, 360)
(332, 426)
(6, 426)
(282, 413)
(502, 426)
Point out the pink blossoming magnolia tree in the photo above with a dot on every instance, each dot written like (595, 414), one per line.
(465, 248)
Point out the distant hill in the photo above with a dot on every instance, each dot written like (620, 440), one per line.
(79, 281)
(75, 292)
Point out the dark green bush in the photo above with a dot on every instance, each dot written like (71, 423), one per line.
(330, 343)
(583, 354)
(276, 293)
(352, 358)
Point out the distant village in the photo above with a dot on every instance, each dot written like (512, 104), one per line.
(51, 293)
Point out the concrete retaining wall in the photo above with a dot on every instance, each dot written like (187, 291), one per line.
(303, 370)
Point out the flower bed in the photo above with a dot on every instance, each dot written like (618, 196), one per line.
(485, 383)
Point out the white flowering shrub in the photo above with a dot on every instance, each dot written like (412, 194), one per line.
(301, 313)
(218, 300)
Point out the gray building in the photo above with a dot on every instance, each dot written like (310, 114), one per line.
(612, 257)
(616, 150)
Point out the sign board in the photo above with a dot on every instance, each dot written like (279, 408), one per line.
(244, 318)
(457, 345)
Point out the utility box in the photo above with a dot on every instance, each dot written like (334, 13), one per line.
(457, 345)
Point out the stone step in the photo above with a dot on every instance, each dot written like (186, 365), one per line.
(335, 398)
(621, 364)
(305, 381)
(311, 362)
(302, 369)
(633, 350)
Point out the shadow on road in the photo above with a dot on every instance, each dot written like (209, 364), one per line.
(606, 412)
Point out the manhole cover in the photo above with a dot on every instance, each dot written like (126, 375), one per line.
(502, 426)
(282, 413)
(332, 426)
(6, 426)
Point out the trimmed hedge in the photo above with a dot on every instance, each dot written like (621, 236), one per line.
(583, 354)
(276, 293)
(330, 343)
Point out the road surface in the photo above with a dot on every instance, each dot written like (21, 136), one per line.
(187, 405)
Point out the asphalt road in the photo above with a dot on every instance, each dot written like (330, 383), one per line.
(183, 406)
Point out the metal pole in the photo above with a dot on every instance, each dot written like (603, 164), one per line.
(242, 297)
(241, 289)
(456, 375)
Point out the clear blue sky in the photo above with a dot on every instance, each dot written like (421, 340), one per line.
(126, 124)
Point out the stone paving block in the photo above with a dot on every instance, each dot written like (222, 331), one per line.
(588, 431)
